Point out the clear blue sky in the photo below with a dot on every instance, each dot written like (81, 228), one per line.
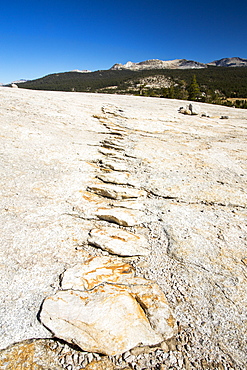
(42, 37)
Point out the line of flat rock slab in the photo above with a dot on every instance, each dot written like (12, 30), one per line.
(115, 143)
(113, 147)
(118, 241)
(115, 165)
(121, 216)
(104, 308)
(122, 178)
(110, 153)
(115, 191)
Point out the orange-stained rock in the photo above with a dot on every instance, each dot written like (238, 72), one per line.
(104, 308)
(95, 271)
(107, 319)
(30, 355)
(104, 364)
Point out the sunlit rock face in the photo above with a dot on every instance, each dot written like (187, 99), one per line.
(104, 308)
(91, 181)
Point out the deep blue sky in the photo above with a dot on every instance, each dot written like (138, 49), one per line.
(42, 37)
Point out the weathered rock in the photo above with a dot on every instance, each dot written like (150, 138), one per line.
(118, 241)
(113, 147)
(121, 216)
(107, 320)
(96, 271)
(106, 309)
(113, 144)
(186, 111)
(110, 153)
(129, 204)
(115, 165)
(118, 133)
(115, 191)
(31, 354)
(122, 178)
(111, 270)
(195, 109)
(104, 364)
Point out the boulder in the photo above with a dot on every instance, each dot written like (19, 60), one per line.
(105, 309)
(195, 109)
(114, 271)
(106, 320)
(118, 241)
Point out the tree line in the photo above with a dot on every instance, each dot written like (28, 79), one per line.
(219, 85)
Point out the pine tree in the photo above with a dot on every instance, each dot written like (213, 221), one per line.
(193, 89)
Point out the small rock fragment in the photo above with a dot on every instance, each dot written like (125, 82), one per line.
(121, 216)
(115, 165)
(129, 204)
(115, 191)
(109, 152)
(104, 364)
(164, 347)
(123, 178)
(119, 241)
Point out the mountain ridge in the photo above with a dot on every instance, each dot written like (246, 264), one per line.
(229, 62)
(179, 64)
(163, 64)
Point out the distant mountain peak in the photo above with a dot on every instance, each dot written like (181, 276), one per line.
(229, 62)
(179, 64)
(159, 64)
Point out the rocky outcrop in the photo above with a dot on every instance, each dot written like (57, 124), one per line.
(69, 162)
